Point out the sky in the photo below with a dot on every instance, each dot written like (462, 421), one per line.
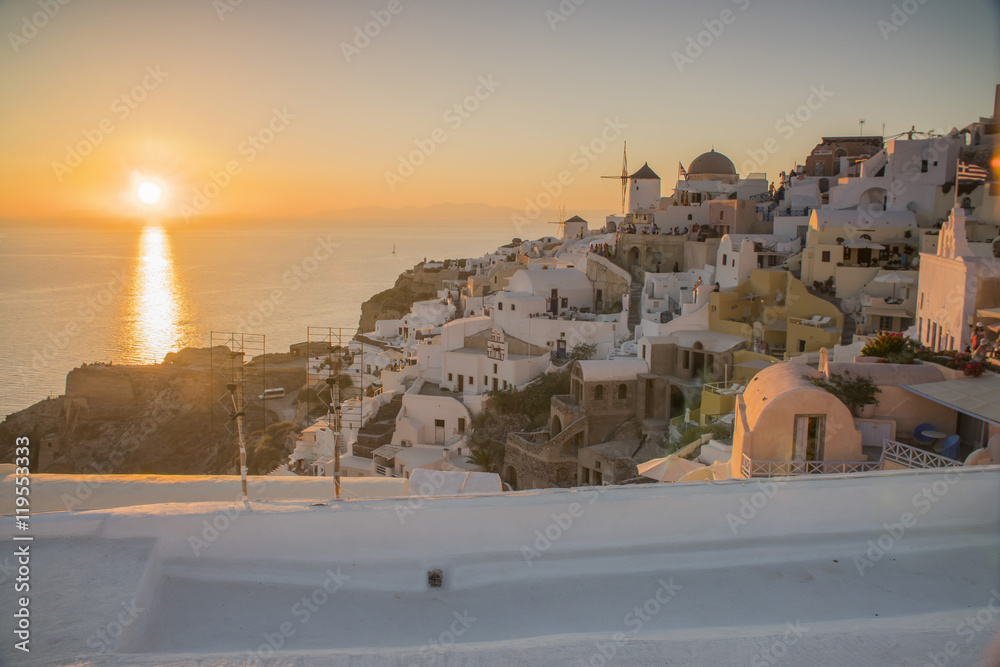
(253, 108)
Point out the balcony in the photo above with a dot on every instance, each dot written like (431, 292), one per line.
(758, 468)
(898, 455)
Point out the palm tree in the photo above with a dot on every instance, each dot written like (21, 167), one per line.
(488, 455)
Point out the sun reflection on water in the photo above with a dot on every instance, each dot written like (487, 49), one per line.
(155, 303)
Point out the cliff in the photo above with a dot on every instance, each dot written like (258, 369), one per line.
(151, 419)
(417, 284)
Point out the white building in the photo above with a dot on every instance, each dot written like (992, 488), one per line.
(954, 285)
(906, 175)
(739, 254)
(563, 289)
(849, 247)
(643, 189)
(491, 360)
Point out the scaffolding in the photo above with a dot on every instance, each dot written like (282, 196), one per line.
(331, 346)
(328, 360)
(232, 375)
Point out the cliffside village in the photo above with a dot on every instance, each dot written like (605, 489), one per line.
(840, 318)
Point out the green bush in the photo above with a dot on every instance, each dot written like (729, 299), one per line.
(718, 431)
(583, 351)
(853, 392)
(534, 399)
(895, 348)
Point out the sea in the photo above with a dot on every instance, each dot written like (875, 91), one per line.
(129, 293)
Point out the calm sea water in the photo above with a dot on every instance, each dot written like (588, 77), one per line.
(130, 294)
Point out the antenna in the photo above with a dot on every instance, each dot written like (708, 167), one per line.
(861, 124)
(624, 176)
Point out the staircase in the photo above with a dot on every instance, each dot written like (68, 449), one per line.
(634, 305)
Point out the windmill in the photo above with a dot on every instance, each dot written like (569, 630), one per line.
(624, 176)
(914, 131)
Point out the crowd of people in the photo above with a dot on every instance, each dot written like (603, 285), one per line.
(602, 249)
(631, 228)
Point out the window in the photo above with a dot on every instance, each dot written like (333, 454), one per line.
(599, 393)
(802, 346)
(923, 166)
(499, 305)
(772, 260)
(449, 377)
(722, 216)
(471, 380)
(486, 380)
(494, 369)
(643, 351)
(825, 257)
(847, 253)
(597, 465)
(725, 259)
(622, 391)
(513, 306)
(687, 360)
(565, 302)
(690, 217)
(884, 323)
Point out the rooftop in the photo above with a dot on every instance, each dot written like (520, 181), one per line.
(712, 163)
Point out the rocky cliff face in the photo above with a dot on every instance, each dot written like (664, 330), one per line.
(393, 303)
(147, 419)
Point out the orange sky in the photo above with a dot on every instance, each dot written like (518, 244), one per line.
(174, 91)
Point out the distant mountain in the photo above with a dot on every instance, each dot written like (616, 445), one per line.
(443, 210)
(449, 210)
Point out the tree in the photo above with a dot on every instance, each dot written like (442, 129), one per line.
(853, 392)
(487, 455)
(583, 351)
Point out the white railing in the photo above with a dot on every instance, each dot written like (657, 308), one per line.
(758, 468)
(383, 471)
(914, 457)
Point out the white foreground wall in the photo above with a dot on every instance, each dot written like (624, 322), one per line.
(871, 569)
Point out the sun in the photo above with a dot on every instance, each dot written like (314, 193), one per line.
(148, 192)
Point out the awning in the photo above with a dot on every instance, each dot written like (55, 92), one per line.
(976, 397)
(863, 243)
(887, 311)
(387, 451)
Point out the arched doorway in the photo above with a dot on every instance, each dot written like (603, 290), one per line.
(556, 426)
(873, 199)
(634, 258)
(676, 401)
(510, 476)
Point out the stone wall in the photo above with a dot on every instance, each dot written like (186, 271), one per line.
(612, 280)
(532, 469)
(99, 385)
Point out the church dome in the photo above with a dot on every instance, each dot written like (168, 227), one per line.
(712, 163)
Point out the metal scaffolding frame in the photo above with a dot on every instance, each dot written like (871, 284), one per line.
(233, 375)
